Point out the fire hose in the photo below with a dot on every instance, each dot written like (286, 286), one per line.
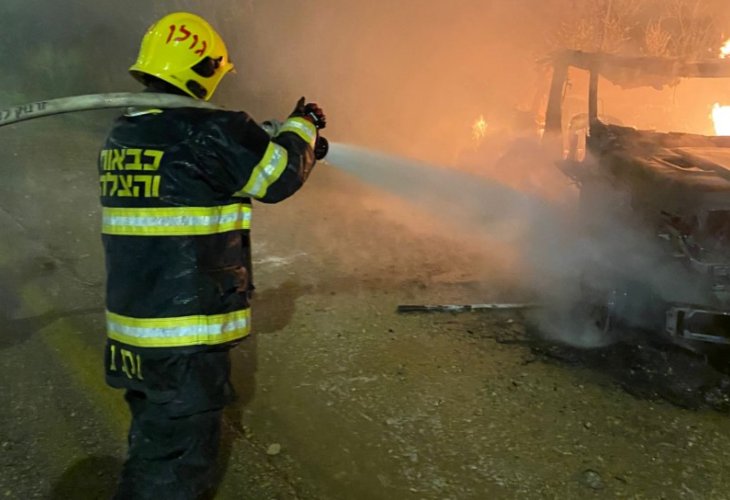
(91, 102)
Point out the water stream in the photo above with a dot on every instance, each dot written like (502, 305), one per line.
(465, 201)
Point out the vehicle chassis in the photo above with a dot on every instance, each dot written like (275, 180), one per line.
(677, 184)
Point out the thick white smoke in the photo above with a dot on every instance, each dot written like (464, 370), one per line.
(569, 249)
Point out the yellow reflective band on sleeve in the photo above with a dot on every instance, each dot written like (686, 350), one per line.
(266, 172)
(177, 332)
(302, 127)
(175, 221)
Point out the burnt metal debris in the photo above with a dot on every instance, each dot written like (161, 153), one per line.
(420, 308)
(675, 185)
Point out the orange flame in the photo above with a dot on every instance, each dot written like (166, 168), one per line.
(721, 118)
(725, 49)
(479, 129)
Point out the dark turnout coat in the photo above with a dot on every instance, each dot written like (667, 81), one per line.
(176, 190)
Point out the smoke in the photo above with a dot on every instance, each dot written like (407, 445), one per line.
(570, 251)
(407, 78)
(597, 261)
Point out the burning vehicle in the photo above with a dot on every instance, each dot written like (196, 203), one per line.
(675, 185)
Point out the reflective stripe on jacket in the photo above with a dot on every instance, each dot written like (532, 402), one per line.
(176, 189)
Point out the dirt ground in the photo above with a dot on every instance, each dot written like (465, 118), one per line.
(340, 397)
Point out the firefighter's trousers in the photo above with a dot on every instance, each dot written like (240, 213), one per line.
(176, 400)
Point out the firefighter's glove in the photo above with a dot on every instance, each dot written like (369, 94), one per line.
(310, 111)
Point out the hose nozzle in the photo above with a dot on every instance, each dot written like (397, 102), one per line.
(321, 147)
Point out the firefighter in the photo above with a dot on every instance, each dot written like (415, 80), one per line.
(176, 190)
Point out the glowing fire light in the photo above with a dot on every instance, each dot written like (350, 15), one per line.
(479, 129)
(725, 49)
(721, 117)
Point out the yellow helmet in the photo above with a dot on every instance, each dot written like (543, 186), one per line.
(185, 51)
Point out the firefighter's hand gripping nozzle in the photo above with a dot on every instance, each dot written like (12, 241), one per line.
(312, 112)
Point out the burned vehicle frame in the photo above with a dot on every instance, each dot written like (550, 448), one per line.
(676, 184)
